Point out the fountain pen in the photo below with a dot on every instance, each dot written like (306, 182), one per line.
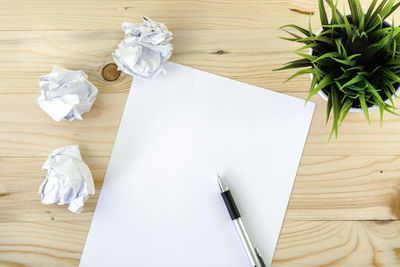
(253, 254)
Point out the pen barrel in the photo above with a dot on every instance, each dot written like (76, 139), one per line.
(230, 205)
(247, 245)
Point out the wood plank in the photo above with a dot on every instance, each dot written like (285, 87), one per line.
(302, 243)
(326, 188)
(338, 244)
(356, 137)
(248, 56)
(177, 15)
(3, 190)
(28, 132)
(42, 244)
(346, 188)
(23, 186)
(355, 178)
(94, 15)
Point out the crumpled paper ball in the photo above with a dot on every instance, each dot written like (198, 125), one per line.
(66, 94)
(68, 180)
(145, 48)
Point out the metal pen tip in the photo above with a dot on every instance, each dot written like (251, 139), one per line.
(221, 184)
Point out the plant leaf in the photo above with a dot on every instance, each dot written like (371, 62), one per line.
(328, 108)
(380, 107)
(392, 10)
(335, 17)
(353, 56)
(389, 96)
(348, 28)
(345, 109)
(373, 91)
(345, 75)
(322, 13)
(300, 29)
(317, 38)
(361, 27)
(333, 6)
(297, 37)
(336, 112)
(390, 111)
(364, 107)
(386, 10)
(330, 54)
(326, 81)
(344, 61)
(301, 72)
(306, 47)
(295, 64)
(356, 68)
(390, 74)
(375, 18)
(307, 56)
(356, 79)
(355, 13)
(370, 9)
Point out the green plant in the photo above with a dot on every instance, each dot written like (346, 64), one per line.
(355, 59)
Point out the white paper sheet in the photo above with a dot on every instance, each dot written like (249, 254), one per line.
(160, 203)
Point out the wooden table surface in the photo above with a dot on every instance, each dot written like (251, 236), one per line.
(345, 205)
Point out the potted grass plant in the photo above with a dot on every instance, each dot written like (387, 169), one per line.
(353, 61)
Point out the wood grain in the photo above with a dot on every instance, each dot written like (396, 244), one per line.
(31, 132)
(3, 190)
(334, 243)
(327, 188)
(42, 244)
(345, 205)
(192, 15)
(302, 243)
(26, 55)
(346, 188)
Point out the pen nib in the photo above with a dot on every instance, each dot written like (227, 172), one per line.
(221, 184)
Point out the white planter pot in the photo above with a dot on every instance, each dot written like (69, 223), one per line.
(325, 96)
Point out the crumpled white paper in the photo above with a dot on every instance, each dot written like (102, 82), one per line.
(145, 48)
(66, 94)
(68, 180)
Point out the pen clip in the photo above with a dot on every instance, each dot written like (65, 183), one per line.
(260, 259)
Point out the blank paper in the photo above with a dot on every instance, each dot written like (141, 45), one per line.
(160, 203)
